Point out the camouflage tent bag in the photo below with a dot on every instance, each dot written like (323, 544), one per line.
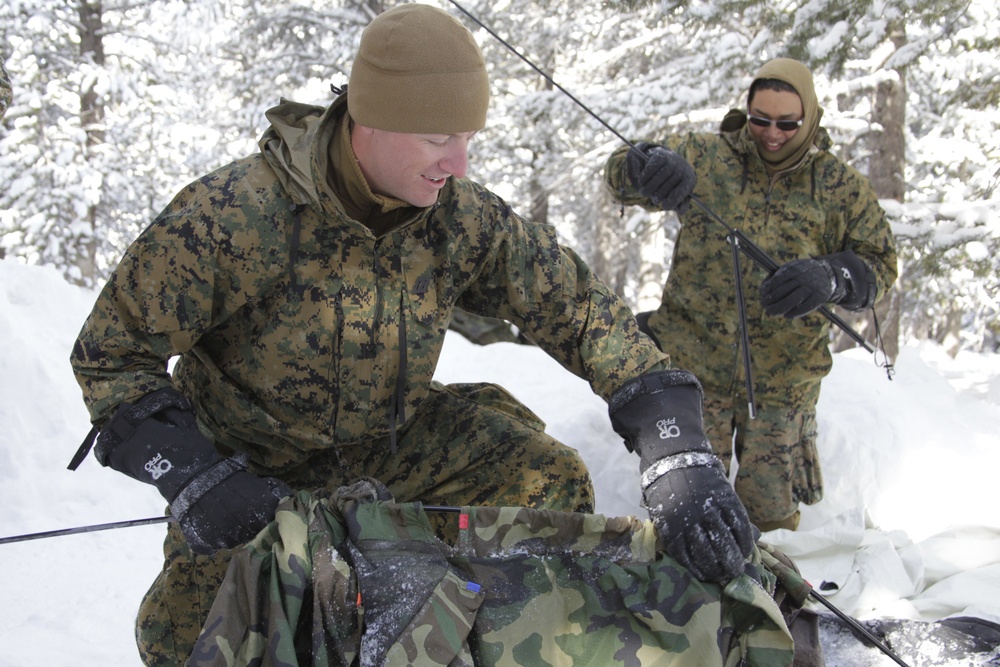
(356, 579)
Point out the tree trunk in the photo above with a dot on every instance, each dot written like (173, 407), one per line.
(538, 210)
(885, 171)
(84, 256)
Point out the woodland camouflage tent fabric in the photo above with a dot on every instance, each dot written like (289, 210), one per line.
(356, 579)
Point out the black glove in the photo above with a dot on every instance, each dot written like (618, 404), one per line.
(699, 519)
(662, 175)
(803, 285)
(217, 504)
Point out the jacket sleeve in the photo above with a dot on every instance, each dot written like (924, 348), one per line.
(177, 280)
(552, 296)
(620, 186)
(867, 231)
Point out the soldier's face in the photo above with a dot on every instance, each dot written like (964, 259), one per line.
(774, 105)
(411, 167)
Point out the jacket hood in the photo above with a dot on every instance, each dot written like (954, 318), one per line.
(809, 137)
(288, 145)
(308, 147)
(800, 78)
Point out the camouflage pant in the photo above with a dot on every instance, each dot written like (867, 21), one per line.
(778, 463)
(468, 444)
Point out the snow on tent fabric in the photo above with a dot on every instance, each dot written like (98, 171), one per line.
(358, 579)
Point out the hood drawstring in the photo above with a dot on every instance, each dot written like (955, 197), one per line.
(293, 245)
(397, 414)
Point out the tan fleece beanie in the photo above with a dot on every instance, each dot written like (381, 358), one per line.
(418, 70)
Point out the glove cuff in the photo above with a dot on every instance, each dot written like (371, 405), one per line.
(676, 462)
(126, 420)
(855, 278)
(204, 482)
(651, 383)
(157, 441)
(659, 414)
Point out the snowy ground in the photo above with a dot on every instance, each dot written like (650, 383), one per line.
(910, 527)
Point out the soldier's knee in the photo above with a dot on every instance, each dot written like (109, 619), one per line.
(162, 642)
(176, 605)
(570, 485)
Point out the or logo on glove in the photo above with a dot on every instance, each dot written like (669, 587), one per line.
(158, 466)
(668, 428)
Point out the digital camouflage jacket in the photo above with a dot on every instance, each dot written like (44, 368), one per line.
(357, 579)
(820, 207)
(298, 328)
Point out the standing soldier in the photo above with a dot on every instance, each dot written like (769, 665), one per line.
(774, 179)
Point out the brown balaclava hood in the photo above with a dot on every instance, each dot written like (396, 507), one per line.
(418, 70)
(799, 77)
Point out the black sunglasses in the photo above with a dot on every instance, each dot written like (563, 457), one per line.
(783, 125)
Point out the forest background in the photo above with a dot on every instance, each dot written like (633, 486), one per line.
(117, 105)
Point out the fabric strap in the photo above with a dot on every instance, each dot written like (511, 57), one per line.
(676, 462)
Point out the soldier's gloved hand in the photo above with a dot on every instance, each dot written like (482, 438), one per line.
(662, 175)
(699, 519)
(803, 285)
(217, 503)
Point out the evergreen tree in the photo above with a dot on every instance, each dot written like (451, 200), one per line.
(118, 106)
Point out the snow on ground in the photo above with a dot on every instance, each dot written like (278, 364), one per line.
(910, 527)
